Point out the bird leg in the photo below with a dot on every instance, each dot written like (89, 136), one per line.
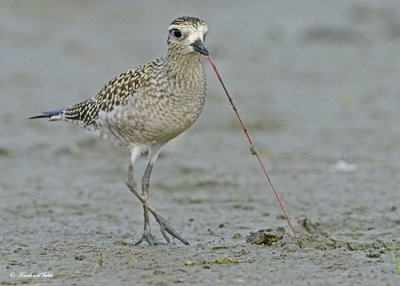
(145, 193)
(143, 197)
(164, 226)
(131, 183)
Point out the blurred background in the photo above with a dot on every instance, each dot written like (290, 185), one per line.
(315, 82)
(314, 72)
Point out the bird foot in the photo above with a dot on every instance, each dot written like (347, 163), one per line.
(149, 240)
(166, 227)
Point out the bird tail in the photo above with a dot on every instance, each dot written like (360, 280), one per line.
(52, 115)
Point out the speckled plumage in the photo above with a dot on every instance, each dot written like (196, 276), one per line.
(149, 105)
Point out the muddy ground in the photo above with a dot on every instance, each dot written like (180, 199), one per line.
(314, 82)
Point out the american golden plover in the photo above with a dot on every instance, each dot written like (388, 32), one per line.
(147, 106)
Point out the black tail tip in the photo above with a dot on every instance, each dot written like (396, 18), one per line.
(40, 116)
(48, 114)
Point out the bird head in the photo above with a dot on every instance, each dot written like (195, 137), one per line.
(187, 35)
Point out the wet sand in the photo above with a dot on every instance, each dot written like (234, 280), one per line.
(315, 83)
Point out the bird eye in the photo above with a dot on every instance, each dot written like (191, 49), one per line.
(176, 33)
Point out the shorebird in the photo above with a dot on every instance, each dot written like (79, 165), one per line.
(145, 107)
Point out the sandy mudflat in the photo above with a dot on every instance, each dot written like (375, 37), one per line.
(315, 81)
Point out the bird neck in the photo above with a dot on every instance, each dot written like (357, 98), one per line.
(188, 65)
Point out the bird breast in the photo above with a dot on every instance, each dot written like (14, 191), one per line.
(162, 108)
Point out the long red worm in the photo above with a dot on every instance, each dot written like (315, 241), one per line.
(252, 148)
